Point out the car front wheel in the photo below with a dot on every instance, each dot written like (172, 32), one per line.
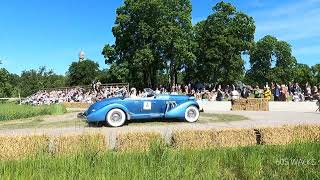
(116, 118)
(192, 114)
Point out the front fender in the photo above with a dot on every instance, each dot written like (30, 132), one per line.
(100, 114)
(179, 111)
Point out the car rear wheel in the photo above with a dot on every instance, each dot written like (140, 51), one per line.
(192, 114)
(116, 118)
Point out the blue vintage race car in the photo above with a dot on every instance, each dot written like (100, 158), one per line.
(116, 111)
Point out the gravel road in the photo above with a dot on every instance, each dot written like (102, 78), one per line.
(256, 119)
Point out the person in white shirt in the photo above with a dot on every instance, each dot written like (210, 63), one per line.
(157, 91)
(234, 94)
(133, 93)
(295, 97)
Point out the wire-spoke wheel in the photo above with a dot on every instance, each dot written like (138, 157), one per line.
(192, 114)
(116, 118)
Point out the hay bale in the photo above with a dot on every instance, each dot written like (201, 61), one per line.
(202, 139)
(199, 139)
(76, 105)
(235, 138)
(79, 143)
(307, 133)
(136, 141)
(250, 104)
(276, 136)
(16, 147)
(290, 134)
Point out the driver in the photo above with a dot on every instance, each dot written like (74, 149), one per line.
(148, 93)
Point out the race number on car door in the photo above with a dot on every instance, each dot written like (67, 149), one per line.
(147, 105)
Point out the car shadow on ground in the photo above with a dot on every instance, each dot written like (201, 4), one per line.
(153, 121)
(137, 122)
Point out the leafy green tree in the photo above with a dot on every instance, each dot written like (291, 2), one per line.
(302, 74)
(268, 51)
(30, 82)
(221, 39)
(82, 73)
(115, 74)
(33, 80)
(316, 74)
(283, 72)
(152, 35)
(6, 89)
(261, 58)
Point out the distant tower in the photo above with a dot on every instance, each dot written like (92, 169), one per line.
(81, 56)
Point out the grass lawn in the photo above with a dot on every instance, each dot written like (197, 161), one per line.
(295, 161)
(40, 123)
(10, 111)
(209, 117)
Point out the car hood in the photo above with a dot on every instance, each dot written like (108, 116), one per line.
(100, 104)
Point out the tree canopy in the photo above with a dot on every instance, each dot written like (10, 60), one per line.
(271, 60)
(221, 40)
(82, 73)
(156, 44)
(151, 36)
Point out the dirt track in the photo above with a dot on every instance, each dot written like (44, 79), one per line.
(256, 119)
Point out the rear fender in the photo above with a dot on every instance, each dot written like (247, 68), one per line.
(179, 111)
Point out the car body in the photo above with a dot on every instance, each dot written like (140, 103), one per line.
(154, 107)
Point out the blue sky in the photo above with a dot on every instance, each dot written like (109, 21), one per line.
(51, 33)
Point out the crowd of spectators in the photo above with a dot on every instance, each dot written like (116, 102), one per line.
(97, 91)
(91, 94)
(276, 92)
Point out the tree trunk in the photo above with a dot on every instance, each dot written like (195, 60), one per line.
(175, 76)
(172, 74)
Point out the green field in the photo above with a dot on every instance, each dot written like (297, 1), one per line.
(295, 161)
(10, 111)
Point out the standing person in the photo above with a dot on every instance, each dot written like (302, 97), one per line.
(315, 92)
(297, 88)
(267, 93)
(276, 93)
(234, 94)
(227, 92)
(173, 89)
(245, 93)
(98, 84)
(256, 92)
(219, 94)
(291, 88)
(283, 93)
(295, 97)
(308, 92)
(186, 89)
(93, 86)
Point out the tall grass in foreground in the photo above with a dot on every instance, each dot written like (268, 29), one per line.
(9, 111)
(294, 161)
